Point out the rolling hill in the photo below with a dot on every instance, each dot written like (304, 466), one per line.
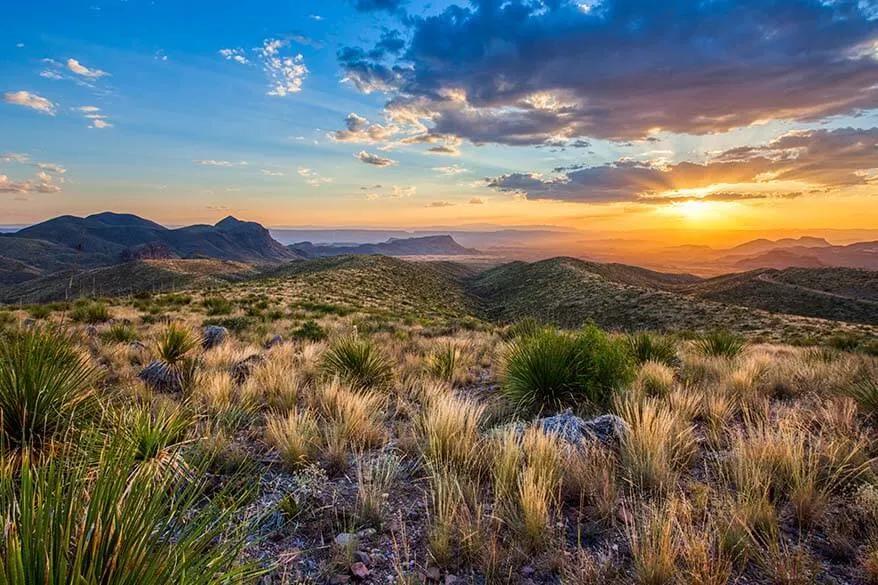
(417, 246)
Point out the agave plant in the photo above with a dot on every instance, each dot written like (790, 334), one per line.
(72, 521)
(46, 387)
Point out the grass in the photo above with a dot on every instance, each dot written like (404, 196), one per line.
(359, 362)
(650, 347)
(91, 312)
(121, 332)
(294, 435)
(46, 387)
(721, 343)
(552, 369)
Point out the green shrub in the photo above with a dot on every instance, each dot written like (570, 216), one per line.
(865, 393)
(119, 333)
(650, 347)
(234, 324)
(359, 362)
(553, 369)
(527, 327)
(90, 312)
(176, 343)
(217, 306)
(74, 521)
(721, 343)
(39, 311)
(309, 330)
(45, 387)
(445, 362)
(155, 434)
(844, 341)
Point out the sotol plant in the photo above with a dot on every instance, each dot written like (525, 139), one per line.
(45, 387)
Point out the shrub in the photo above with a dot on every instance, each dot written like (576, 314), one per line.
(176, 343)
(358, 362)
(527, 327)
(74, 521)
(293, 435)
(445, 363)
(310, 330)
(844, 341)
(450, 430)
(865, 393)
(235, 324)
(119, 333)
(90, 312)
(40, 311)
(552, 369)
(649, 347)
(217, 306)
(721, 343)
(156, 436)
(45, 387)
(655, 379)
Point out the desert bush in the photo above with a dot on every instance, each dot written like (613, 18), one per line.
(217, 306)
(720, 343)
(90, 312)
(552, 369)
(449, 427)
(156, 436)
(121, 332)
(294, 435)
(39, 311)
(310, 331)
(375, 478)
(359, 362)
(76, 521)
(654, 379)
(446, 363)
(865, 392)
(356, 417)
(654, 542)
(527, 327)
(650, 347)
(45, 387)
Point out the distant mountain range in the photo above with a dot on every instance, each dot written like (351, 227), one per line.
(417, 246)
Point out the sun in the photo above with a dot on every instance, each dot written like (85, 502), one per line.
(694, 210)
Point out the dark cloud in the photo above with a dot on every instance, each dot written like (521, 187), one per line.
(831, 158)
(531, 71)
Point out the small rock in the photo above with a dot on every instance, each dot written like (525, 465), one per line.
(29, 322)
(528, 570)
(366, 532)
(339, 579)
(91, 331)
(161, 377)
(432, 574)
(213, 335)
(359, 570)
(137, 345)
(276, 340)
(363, 557)
(242, 369)
(607, 428)
(345, 538)
(451, 579)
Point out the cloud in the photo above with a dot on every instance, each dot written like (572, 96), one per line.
(529, 72)
(270, 173)
(18, 157)
(376, 192)
(80, 69)
(359, 130)
(44, 183)
(100, 123)
(450, 170)
(374, 159)
(29, 100)
(88, 109)
(476, 201)
(49, 74)
(827, 158)
(221, 163)
(316, 17)
(440, 204)
(286, 72)
(312, 177)
(236, 55)
(50, 167)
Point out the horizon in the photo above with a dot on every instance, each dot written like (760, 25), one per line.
(409, 115)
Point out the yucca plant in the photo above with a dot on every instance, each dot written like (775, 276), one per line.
(46, 386)
(119, 333)
(649, 347)
(358, 362)
(721, 343)
(865, 393)
(156, 436)
(445, 363)
(175, 344)
(177, 369)
(72, 521)
(552, 369)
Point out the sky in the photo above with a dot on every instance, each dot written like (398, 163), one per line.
(603, 115)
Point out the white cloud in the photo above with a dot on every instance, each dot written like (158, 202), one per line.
(440, 204)
(374, 159)
(312, 177)
(376, 192)
(450, 170)
(88, 109)
(236, 55)
(80, 69)
(19, 157)
(29, 100)
(50, 167)
(44, 183)
(100, 123)
(270, 173)
(476, 201)
(221, 163)
(49, 74)
(316, 17)
(286, 73)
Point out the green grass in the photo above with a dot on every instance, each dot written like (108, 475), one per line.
(217, 306)
(45, 387)
(553, 369)
(90, 312)
(119, 333)
(650, 347)
(358, 361)
(309, 330)
(721, 343)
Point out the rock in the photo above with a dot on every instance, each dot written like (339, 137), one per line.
(366, 533)
(359, 570)
(345, 538)
(28, 323)
(432, 574)
(91, 331)
(528, 570)
(242, 369)
(137, 345)
(213, 335)
(363, 557)
(276, 340)
(339, 579)
(161, 377)
(451, 579)
(607, 428)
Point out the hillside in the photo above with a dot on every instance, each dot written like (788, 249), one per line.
(124, 279)
(418, 246)
(843, 294)
(571, 292)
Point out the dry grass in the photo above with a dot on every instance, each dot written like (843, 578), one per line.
(294, 435)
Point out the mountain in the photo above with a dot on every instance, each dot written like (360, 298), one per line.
(418, 246)
(764, 245)
(68, 243)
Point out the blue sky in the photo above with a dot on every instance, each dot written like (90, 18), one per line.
(613, 113)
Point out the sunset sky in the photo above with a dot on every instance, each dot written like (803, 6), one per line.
(613, 115)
